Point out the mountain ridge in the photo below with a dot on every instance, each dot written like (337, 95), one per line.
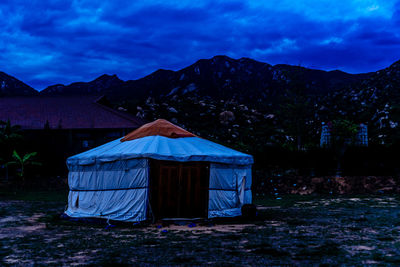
(106, 83)
(11, 86)
(213, 72)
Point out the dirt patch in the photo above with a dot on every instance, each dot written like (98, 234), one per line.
(27, 224)
(303, 231)
(231, 228)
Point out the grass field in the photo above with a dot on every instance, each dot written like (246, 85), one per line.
(293, 230)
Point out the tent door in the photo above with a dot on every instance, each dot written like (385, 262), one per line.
(179, 190)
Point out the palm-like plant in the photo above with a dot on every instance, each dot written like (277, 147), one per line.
(10, 137)
(23, 161)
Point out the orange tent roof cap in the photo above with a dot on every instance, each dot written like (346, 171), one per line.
(158, 127)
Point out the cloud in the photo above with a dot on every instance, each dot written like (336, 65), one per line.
(48, 42)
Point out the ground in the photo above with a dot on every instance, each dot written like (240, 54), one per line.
(296, 230)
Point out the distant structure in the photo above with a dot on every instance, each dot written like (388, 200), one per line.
(325, 135)
(361, 136)
(60, 126)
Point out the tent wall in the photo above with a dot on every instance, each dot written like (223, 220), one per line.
(115, 190)
(230, 189)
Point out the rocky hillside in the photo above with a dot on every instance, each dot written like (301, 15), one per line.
(10, 86)
(246, 103)
(375, 101)
(280, 106)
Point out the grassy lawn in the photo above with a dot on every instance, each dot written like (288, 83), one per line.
(359, 230)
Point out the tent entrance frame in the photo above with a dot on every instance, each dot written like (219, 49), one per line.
(179, 189)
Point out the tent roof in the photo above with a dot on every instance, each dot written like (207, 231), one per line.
(161, 140)
(162, 148)
(159, 127)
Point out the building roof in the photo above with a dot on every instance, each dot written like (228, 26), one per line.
(162, 148)
(159, 127)
(60, 112)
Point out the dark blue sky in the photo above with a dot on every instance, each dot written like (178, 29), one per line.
(43, 42)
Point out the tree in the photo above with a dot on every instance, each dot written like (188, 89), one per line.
(9, 135)
(295, 113)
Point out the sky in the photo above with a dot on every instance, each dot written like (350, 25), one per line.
(45, 42)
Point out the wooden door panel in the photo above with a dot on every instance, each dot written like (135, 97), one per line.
(179, 189)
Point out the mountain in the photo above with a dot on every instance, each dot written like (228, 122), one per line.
(221, 77)
(251, 104)
(10, 86)
(102, 84)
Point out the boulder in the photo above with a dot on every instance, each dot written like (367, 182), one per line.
(172, 110)
(226, 117)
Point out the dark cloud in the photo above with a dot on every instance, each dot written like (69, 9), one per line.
(47, 42)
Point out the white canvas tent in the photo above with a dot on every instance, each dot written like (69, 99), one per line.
(114, 181)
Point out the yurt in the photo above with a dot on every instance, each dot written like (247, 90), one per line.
(159, 171)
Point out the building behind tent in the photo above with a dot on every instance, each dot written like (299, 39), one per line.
(58, 127)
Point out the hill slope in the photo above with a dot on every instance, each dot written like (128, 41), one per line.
(10, 86)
